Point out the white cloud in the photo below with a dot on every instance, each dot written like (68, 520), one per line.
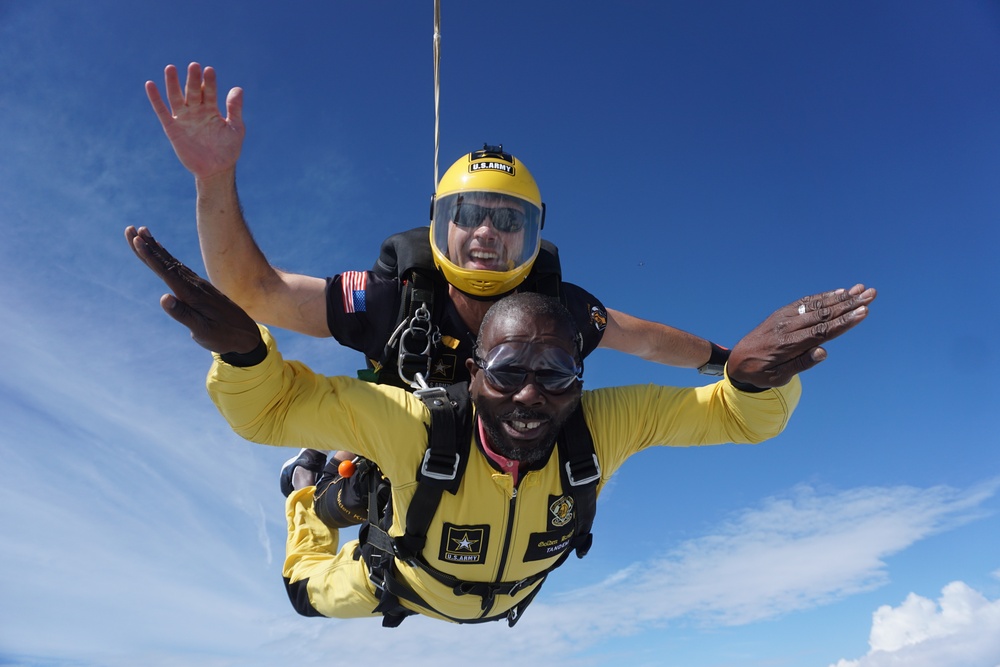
(962, 629)
(790, 553)
(795, 552)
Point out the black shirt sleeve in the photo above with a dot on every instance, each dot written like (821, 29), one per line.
(361, 310)
(589, 313)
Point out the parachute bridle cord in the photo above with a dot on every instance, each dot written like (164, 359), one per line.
(437, 84)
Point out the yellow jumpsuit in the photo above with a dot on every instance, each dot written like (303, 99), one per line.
(489, 531)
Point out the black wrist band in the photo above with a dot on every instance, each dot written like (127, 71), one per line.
(716, 362)
(245, 360)
(746, 387)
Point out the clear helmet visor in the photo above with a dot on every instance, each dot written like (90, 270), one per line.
(485, 235)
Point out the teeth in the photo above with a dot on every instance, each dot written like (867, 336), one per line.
(479, 254)
(525, 426)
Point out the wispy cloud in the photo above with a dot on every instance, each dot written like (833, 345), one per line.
(804, 549)
(790, 553)
(794, 552)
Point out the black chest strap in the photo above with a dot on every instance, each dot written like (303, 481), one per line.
(448, 441)
(581, 472)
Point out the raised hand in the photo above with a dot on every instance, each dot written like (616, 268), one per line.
(216, 323)
(788, 342)
(205, 142)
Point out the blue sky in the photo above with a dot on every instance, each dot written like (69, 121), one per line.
(702, 164)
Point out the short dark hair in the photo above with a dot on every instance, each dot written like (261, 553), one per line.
(536, 306)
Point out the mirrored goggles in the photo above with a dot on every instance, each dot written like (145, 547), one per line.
(508, 365)
(504, 219)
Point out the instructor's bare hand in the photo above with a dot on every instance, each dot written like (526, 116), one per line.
(216, 323)
(789, 341)
(205, 142)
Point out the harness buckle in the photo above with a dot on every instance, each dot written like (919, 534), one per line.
(444, 470)
(378, 580)
(402, 553)
(518, 585)
(425, 468)
(426, 392)
(573, 481)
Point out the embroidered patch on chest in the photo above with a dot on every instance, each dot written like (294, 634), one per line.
(561, 526)
(560, 511)
(464, 544)
(443, 368)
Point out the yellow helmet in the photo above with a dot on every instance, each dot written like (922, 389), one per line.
(478, 258)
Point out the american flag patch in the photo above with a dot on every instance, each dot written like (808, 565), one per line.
(352, 286)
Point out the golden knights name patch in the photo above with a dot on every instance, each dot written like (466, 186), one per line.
(548, 544)
(464, 544)
(561, 528)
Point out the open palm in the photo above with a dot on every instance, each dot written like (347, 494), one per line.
(205, 142)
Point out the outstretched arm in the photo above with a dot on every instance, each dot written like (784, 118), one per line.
(216, 323)
(209, 146)
(789, 341)
(653, 341)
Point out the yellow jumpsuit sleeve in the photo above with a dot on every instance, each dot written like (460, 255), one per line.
(284, 403)
(626, 420)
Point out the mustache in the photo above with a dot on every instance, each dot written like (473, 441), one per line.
(524, 415)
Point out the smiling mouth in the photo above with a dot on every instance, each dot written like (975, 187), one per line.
(525, 429)
(484, 255)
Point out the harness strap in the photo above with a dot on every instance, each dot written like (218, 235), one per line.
(449, 438)
(580, 473)
(444, 463)
(394, 613)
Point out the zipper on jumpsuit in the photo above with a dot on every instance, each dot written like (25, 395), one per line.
(511, 506)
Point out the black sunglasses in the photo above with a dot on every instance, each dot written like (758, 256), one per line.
(504, 219)
(556, 369)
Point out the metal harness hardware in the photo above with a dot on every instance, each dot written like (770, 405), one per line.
(414, 364)
(434, 465)
(593, 477)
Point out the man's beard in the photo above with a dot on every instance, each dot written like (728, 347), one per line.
(502, 445)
